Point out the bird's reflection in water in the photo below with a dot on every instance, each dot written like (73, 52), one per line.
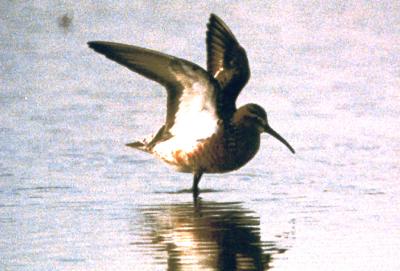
(208, 236)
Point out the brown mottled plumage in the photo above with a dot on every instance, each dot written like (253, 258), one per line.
(203, 131)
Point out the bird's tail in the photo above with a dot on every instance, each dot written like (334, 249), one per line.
(140, 145)
(148, 143)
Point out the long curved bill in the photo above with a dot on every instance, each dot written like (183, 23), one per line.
(272, 132)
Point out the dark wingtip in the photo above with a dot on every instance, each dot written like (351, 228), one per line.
(214, 19)
(101, 47)
(91, 44)
(217, 26)
(95, 45)
(213, 16)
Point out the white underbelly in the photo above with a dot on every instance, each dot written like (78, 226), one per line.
(178, 153)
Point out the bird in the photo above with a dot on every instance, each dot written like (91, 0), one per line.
(204, 131)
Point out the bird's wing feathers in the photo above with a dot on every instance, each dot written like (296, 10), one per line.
(226, 61)
(191, 102)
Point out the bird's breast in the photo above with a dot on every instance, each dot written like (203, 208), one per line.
(219, 153)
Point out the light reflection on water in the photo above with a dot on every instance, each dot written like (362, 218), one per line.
(206, 235)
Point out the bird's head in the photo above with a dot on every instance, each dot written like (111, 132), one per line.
(255, 116)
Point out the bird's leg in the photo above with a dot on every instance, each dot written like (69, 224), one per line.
(196, 180)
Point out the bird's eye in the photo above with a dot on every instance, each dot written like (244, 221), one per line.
(256, 119)
(261, 121)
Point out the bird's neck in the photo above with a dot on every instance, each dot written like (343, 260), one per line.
(245, 143)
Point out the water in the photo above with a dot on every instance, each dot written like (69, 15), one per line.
(73, 197)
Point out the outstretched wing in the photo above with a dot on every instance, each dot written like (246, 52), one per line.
(226, 61)
(191, 101)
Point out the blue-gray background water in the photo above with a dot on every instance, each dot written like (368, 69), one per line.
(73, 197)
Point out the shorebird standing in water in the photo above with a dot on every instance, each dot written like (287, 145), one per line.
(204, 132)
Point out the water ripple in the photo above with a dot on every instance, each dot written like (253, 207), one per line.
(202, 235)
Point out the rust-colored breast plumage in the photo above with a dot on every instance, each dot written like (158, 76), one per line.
(225, 151)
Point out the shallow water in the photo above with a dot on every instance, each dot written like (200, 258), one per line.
(73, 197)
